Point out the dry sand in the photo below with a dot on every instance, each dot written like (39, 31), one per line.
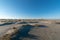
(50, 32)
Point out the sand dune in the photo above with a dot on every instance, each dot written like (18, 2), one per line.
(29, 30)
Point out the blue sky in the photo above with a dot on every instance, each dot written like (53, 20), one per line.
(25, 9)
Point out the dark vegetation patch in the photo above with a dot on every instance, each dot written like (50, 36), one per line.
(57, 22)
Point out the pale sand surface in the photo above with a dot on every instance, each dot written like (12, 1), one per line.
(51, 32)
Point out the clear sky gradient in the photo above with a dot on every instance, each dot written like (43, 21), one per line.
(49, 9)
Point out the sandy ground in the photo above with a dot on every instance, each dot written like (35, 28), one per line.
(50, 32)
(5, 28)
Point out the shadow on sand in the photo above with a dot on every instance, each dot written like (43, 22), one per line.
(22, 23)
(6, 24)
(42, 26)
(23, 33)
